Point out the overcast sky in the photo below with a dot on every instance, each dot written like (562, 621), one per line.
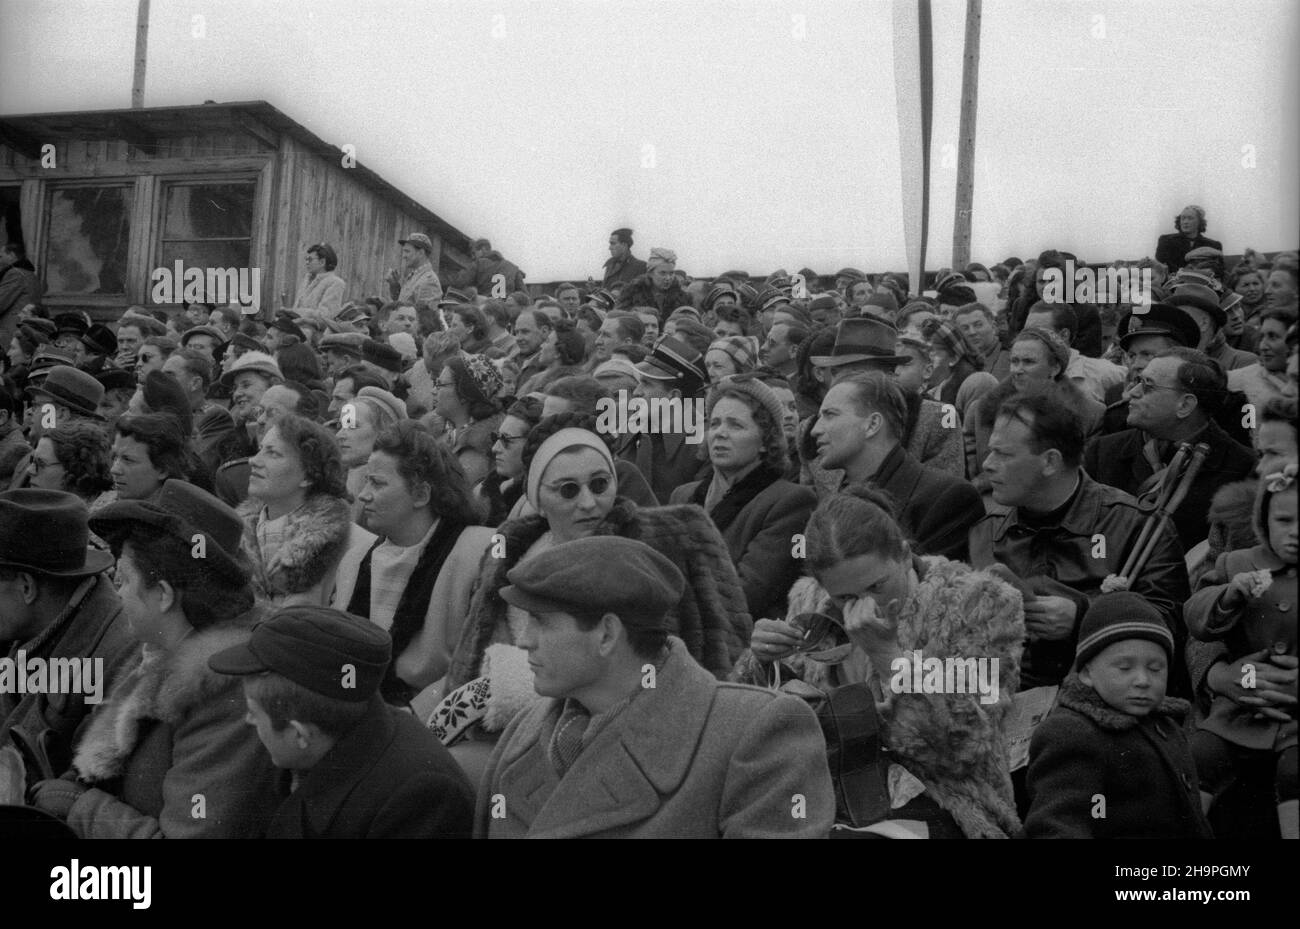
(743, 135)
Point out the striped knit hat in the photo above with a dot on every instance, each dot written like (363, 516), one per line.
(1115, 617)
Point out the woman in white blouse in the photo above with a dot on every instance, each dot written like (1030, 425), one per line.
(322, 290)
(416, 579)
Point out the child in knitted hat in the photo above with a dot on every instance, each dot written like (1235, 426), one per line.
(1111, 760)
(1249, 602)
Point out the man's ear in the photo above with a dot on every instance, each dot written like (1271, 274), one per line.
(1084, 676)
(1053, 463)
(302, 734)
(610, 631)
(168, 597)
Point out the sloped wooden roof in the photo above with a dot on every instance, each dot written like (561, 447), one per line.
(26, 133)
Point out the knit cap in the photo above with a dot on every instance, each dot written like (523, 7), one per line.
(1114, 617)
(756, 390)
(476, 377)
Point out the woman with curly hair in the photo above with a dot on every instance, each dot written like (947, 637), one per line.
(504, 485)
(298, 527)
(466, 399)
(572, 484)
(755, 508)
(150, 449)
(415, 579)
(885, 607)
(73, 458)
(470, 327)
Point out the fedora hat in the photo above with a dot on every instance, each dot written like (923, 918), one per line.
(72, 323)
(70, 387)
(862, 338)
(46, 532)
(1198, 297)
(100, 340)
(181, 511)
(257, 362)
(202, 330)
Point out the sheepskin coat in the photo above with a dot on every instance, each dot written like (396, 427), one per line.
(640, 291)
(711, 618)
(168, 754)
(317, 537)
(1085, 753)
(952, 743)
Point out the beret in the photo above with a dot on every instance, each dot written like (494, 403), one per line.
(598, 574)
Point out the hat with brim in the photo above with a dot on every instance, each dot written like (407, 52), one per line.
(71, 324)
(289, 326)
(1162, 320)
(253, 362)
(863, 338)
(117, 379)
(453, 297)
(672, 360)
(46, 532)
(73, 388)
(202, 330)
(1198, 297)
(246, 342)
(187, 514)
(347, 343)
(1229, 301)
(100, 340)
(381, 355)
(419, 240)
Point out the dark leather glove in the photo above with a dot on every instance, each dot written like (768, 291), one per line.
(56, 796)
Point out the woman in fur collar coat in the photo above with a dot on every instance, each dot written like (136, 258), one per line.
(894, 605)
(297, 522)
(711, 617)
(168, 753)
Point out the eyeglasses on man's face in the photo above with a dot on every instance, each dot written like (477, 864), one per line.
(506, 440)
(1144, 384)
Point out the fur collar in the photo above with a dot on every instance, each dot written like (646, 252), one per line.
(165, 687)
(1081, 698)
(315, 537)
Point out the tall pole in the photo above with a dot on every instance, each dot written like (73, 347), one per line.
(970, 77)
(141, 53)
(913, 84)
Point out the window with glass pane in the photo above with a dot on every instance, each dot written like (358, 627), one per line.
(207, 225)
(87, 234)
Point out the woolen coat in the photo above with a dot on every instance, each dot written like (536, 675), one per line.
(169, 755)
(758, 518)
(388, 777)
(92, 625)
(1087, 759)
(690, 758)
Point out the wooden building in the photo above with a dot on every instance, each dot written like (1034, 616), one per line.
(102, 199)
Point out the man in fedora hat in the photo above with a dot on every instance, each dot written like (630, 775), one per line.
(55, 603)
(673, 373)
(205, 339)
(417, 285)
(1205, 308)
(69, 328)
(607, 754)
(66, 395)
(98, 346)
(362, 769)
(931, 435)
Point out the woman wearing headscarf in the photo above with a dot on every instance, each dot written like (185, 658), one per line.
(747, 496)
(891, 605)
(361, 420)
(168, 754)
(959, 377)
(298, 527)
(572, 484)
(737, 354)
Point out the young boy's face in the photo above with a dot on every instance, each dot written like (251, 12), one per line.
(282, 745)
(1130, 676)
(1282, 525)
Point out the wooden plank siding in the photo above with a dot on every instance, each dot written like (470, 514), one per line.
(303, 195)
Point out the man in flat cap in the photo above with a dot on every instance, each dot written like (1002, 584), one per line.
(417, 285)
(361, 769)
(637, 740)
